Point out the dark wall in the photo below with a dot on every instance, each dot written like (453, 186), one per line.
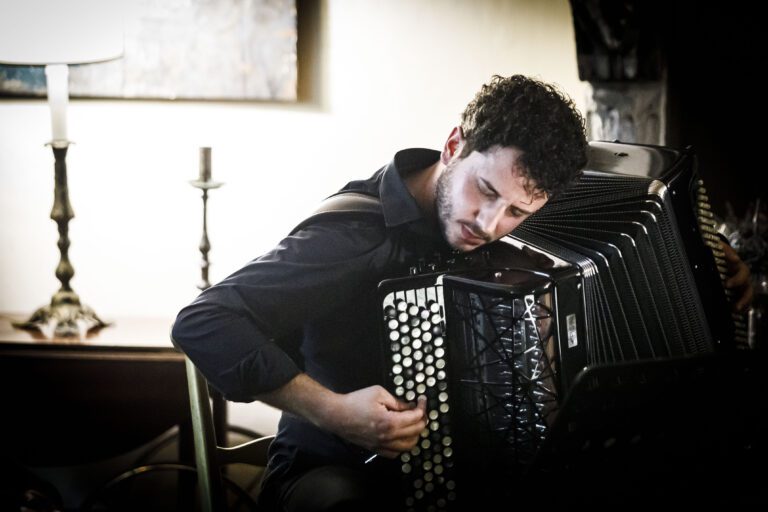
(713, 59)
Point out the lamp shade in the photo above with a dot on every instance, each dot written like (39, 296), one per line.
(39, 32)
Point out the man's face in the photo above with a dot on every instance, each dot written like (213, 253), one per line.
(484, 196)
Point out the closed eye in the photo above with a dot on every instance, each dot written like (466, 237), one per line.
(517, 212)
(486, 189)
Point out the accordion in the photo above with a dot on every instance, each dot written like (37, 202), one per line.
(636, 275)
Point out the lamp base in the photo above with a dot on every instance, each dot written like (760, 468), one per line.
(65, 317)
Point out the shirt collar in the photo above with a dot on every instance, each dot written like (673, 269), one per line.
(398, 204)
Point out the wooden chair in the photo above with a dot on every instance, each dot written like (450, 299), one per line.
(210, 457)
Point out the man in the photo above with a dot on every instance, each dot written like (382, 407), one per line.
(298, 327)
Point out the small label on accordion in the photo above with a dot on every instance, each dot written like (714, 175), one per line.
(573, 339)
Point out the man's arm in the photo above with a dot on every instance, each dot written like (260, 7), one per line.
(371, 417)
(235, 332)
(238, 332)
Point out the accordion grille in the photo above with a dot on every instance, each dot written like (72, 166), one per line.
(505, 373)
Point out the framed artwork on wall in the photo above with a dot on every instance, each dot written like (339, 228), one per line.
(238, 50)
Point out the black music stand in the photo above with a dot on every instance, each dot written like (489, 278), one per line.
(683, 430)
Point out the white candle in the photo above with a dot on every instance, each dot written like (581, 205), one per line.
(205, 164)
(57, 76)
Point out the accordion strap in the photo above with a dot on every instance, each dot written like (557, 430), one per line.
(343, 205)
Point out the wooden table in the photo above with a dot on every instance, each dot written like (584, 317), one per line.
(73, 401)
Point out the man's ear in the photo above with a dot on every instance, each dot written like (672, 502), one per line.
(453, 146)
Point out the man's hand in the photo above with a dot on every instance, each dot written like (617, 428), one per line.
(739, 280)
(376, 420)
(370, 417)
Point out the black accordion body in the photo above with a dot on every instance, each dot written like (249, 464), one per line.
(636, 275)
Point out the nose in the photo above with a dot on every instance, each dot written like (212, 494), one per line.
(490, 219)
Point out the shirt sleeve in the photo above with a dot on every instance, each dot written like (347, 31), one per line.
(234, 331)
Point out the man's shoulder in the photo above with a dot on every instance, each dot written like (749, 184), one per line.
(350, 206)
(335, 238)
(370, 186)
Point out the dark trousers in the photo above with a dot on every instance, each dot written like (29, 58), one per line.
(340, 488)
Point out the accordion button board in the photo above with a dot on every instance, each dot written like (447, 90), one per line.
(414, 320)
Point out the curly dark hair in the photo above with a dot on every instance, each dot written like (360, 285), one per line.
(534, 117)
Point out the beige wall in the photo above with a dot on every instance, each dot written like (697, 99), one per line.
(380, 75)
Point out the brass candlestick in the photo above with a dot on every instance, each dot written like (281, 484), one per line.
(205, 184)
(65, 315)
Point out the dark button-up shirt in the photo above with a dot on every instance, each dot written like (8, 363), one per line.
(311, 305)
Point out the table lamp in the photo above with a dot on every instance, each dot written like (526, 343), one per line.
(56, 33)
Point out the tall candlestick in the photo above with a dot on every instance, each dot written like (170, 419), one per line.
(65, 316)
(58, 96)
(205, 184)
(205, 164)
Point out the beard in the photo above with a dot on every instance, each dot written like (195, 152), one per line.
(443, 202)
(446, 211)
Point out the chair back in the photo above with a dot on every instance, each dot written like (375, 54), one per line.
(209, 456)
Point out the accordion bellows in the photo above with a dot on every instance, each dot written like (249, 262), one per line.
(636, 274)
